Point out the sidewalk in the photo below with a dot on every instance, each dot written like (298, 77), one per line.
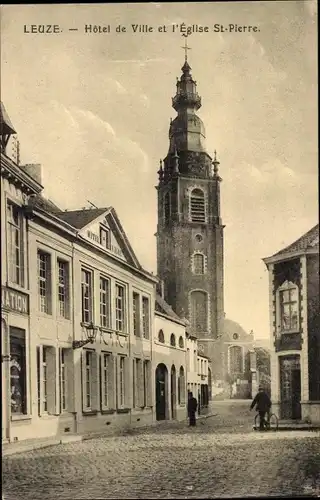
(35, 444)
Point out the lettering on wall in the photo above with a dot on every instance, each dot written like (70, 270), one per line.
(14, 301)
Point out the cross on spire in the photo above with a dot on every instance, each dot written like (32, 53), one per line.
(186, 48)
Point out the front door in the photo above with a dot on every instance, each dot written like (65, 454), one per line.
(290, 387)
(161, 400)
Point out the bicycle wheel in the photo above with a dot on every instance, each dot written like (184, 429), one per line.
(273, 422)
(256, 422)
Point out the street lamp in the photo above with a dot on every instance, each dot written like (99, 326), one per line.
(91, 334)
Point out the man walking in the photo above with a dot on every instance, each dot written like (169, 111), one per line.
(263, 405)
(192, 408)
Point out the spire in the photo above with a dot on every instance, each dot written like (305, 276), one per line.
(186, 48)
(215, 163)
(160, 172)
(186, 96)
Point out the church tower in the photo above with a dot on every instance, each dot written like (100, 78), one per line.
(190, 230)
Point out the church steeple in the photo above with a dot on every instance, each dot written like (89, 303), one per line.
(187, 132)
(190, 230)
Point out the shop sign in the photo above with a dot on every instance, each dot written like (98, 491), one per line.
(14, 301)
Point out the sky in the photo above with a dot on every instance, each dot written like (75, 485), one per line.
(94, 109)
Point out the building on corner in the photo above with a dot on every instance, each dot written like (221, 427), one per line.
(295, 328)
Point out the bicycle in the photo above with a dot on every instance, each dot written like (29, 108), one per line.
(271, 423)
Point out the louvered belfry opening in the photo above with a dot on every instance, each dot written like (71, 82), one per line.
(197, 206)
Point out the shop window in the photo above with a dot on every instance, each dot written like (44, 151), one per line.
(18, 371)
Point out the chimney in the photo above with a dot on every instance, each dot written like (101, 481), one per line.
(34, 170)
(160, 288)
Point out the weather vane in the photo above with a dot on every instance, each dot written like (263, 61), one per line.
(185, 47)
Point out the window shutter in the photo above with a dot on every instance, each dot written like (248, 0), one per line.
(51, 378)
(112, 382)
(127, 383)
(149, 384)
(83, 379)
(101, 381)
(140, 382)
(68, 359)
(95, 381)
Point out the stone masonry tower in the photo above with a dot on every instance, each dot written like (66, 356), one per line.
(190, 230)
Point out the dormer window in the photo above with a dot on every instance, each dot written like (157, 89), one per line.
(104, 237)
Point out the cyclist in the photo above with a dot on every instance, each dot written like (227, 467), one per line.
(263, 405)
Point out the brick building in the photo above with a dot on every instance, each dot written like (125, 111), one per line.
(295, 328)
(190, 229)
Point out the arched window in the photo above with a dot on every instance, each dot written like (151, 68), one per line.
(167, 206)
(181, 343)
(172, 339)
(181, 387)
(199, 310)
(197, 206)
(235, 360)
(161, 336)
(198, 263)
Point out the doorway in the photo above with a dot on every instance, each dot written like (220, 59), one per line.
(161, 392)
(290, 387)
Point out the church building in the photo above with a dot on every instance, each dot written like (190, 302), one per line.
(190, 229)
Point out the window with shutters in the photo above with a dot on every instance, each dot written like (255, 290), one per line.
(46, 374)
(63, 380)
(199, 310)
(63, 289)
(44, 380)
(44, 281)
(86, 292)
(139, 382)
(136, 313)
(88, 379)
(120, 308)
(15, 244)
(145, 317)
(197, 206)
(106, 375)
(105, 316)
(121, 381)
(146, 382)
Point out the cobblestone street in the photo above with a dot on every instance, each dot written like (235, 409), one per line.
(172, 461)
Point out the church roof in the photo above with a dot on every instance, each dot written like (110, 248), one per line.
(309, 240)
(6, 125)
(80, 218)
(232, 331)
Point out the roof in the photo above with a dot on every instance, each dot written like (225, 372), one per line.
(6, 125)
(230, 327)
(307, 241)
(163, 307)
(39, 201)
(80, 218)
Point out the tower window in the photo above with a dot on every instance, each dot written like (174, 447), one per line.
(197, 206)
(199, 310)
(167, 206)
(198, 263)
